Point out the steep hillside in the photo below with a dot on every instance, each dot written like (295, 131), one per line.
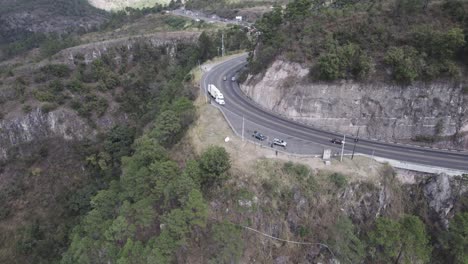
(243, 204)
(19, 19)
(395, 70)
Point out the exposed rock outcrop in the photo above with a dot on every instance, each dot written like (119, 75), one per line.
(381, 111)
(37, 126)
(94, 50)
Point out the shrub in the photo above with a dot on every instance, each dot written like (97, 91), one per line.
(76, 86)
(101, 106)
(56, 70)
(409, 6)
(338, 179)
(296, 169)
(465, 90)
(455, 9)
(348, 61)
(47, 107)
(27, 109)
(329, 67)
(43, 95)
(111, 81)
(424, 138)
(404, 64)
(56, 86)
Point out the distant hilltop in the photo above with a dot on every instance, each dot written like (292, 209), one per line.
(121, 4)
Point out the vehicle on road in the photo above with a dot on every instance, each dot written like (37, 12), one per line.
(337, 141)
(279, 142)
(258, 135)
(224, 78)
(216, 94)
(233, 79)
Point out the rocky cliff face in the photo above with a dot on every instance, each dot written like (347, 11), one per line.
(378, 110)
(37, 126)
(94, 50)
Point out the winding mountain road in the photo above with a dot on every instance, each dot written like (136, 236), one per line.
(245, 115)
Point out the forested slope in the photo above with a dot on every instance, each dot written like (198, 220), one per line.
(401, 41)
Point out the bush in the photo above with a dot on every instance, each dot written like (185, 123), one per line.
(465, 90)
(27, 109)
(76, 86)
(347, 61)
(339, 180)
(56, 70)
(47, 107)
(101, 106)
(299, 170)
(409, 6)
(404, 64)
(455, 9)
(43, 95)
(329, 67)
(424, 138)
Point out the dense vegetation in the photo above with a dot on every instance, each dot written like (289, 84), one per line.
(363, 40)
(151, 211)
(147, 85)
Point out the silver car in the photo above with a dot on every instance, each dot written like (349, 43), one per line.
(279, 142)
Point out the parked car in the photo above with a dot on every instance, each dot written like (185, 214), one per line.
(337, 141)
(258, 135)
(279, 142)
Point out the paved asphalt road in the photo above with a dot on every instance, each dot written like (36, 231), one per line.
(303, 139)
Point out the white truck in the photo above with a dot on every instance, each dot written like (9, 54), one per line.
(216, 94)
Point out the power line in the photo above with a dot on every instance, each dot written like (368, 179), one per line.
(289, 241)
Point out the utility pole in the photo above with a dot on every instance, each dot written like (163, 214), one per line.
(355, 142)
(222, 44)
(242, 128)
(342, 147)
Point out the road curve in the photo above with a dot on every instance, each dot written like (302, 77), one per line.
(239, 104)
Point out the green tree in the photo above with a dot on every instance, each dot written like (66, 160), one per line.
(120, 230)
(457, 239)
(329, 67)
(196, 209)
(193, 170)
(167, 128)
(119, 141)
(214, 163)
(415, 247)
(345, 241)
(385, 240)
(206, 47)
(132, 253)
(404, 241)
(404, 62)
(228, 243)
